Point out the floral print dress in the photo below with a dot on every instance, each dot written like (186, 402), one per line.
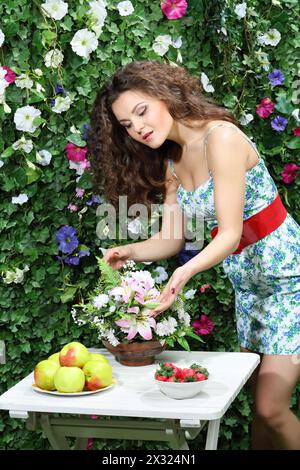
(265, 275)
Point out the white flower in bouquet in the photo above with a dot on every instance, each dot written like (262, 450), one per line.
(120, 309)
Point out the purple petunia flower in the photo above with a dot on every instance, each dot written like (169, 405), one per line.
(279, 123)
(185, 255)
(86, 129)
(59, 89)
(52, 103)
(276, 77)
(66, 236)
(95, 200)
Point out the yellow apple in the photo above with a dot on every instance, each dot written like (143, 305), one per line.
(69, 379)
(98, 357)
(74, 354)
(55, 358)
(44, 373)
(97, 375)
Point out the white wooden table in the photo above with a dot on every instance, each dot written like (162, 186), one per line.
(134, 408)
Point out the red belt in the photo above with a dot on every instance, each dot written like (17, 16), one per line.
(260, 225)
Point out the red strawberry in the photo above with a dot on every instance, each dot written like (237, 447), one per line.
(200, 377)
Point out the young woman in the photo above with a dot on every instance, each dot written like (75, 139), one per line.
(153, 133)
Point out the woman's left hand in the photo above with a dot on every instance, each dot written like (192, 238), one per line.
(176, 282)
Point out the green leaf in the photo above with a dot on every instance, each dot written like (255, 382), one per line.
(284, 106)
(294, 143)
(68, 294)
(76, 140)
(32, 172)
(7, 152)
(151, 304)
(183, 343)
(197, 337)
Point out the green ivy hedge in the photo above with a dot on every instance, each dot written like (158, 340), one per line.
(236, 54)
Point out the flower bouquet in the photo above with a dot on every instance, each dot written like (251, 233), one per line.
(120, 306)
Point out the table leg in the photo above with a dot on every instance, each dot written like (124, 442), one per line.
(57, 441)
(176, 437)
(212, 434)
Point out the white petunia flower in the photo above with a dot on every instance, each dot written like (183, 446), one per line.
(43, 157)
(125, 8)
(135, 226)
(245, 119)
(61, 104)
(2, 37)
(23, 81)
(161, 44)
(177, 43)
(76, 166)
(84, 42)
(271, 38)
(295, 114)
(16, 276)
(241, 10)
(190, 294)
(97, 14)
(101, 300)
(1, 163)
(23, 144)
(54, 58)
(3, 83)
(56, 9)
(162, 275)
(206, 83)
(24, 118)
(21, 199)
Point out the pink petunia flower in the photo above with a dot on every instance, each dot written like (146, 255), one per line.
(203, 326)
(265, 108)
(204, 287)
(174, 9)
(10, 75)
(79, 192)
(75, 153)
(289, 172)
(296, 131)
(85, 164)
(73, 207)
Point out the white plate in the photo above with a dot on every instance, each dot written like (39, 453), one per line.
(75, 394)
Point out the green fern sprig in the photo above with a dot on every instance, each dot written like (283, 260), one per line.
(109, 278)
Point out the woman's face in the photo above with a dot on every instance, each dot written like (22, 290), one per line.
(141, 114)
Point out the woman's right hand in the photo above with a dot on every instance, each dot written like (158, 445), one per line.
(117, 257)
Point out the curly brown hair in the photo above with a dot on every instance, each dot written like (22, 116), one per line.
(120, 164)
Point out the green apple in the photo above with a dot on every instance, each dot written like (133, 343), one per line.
(98, 357)
(73, 354)
(97, 375)
(55, 358)
(44, 373)
(69, 379)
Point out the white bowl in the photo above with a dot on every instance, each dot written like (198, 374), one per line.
(180, 390)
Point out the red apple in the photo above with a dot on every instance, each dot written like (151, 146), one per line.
(44, 373)
(74, 354)
(69, 379)
(97, 375)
